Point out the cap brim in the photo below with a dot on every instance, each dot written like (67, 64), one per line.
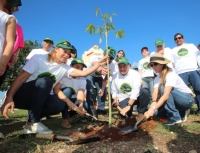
(159, 44)
(122, 63)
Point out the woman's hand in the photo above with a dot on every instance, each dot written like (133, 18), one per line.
(101, 91)
(115, 102)
(82, 108)
(13, 58)
(149, 113)
(103, 60)
(9, 104)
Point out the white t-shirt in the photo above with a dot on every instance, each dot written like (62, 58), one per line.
(4, 17)
(169, 56)
(96, 74)
(173, 79)
(74, 84)
(39, 51)
(69, 60)
(116, 66)
(127, 86)
(38, 65)
(146, 72)
(185, 58)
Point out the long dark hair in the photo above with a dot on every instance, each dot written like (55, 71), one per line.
(116, 59)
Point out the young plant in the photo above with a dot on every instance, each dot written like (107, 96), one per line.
(104, 30)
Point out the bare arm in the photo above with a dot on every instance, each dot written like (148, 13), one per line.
(9, 41)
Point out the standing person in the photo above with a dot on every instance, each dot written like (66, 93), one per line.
(166, 52)
(74, 89)
(171, 97)
(47, 44)
(96, 80)
(120, 54)
(126, 90)
(146, 73)
(73, 55)
(7, 38)
(31, 89)
(185, 55)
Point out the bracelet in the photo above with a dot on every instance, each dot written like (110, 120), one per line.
(129, 105)
(154, 108)
(154, 101)
(3, 64)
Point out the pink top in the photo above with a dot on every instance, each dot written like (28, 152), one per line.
(19, 42)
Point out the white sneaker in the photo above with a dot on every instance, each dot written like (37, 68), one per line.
(187, 113)
(169, 123)
(38, 128)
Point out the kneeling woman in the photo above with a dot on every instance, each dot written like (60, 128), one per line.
(73, 88)
(31, 89)
(171, 97)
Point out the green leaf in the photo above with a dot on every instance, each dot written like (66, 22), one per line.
(114, 14)
(97, 11)
(110, 18)
(100, 40)
(107, 27)
(120, 34)
(90, 28)
(100, 29)
(105, 16)
(112, 25)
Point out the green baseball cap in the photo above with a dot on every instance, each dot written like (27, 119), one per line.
(64, 44)
(15, 3)
(111, 52)
(48, 39)
(198, 44)
(122, 60)
(159, 42)
(78, 61)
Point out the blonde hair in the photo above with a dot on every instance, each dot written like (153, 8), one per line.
(52, 56)
(164, 73)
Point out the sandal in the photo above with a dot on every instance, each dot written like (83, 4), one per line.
(66, 124)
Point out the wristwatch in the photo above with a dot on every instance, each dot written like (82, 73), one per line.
(129, 105)
(154, 108)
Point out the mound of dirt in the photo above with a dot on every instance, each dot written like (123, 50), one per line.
(104, 132)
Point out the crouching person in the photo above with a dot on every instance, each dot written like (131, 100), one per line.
(73, 88)
(171, 97)
(126, 90)
(31, 89)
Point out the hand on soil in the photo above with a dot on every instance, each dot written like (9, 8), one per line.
(6, 106)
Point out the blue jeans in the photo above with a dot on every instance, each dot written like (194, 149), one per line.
(193, 78)
(141, 102)
(66, 113)
(148, 83)
(34, 96)
(97, 82)
(176, 105)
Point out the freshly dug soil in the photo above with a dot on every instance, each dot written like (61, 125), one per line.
(112, 133)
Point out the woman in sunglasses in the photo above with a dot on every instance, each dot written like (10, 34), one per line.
(171, 97)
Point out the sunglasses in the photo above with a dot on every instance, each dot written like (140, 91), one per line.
(178, 38)
(153, 64)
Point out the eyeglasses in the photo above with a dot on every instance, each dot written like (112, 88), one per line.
(153, 64)
(177, 38)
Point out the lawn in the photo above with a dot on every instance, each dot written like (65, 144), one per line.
(179, 138)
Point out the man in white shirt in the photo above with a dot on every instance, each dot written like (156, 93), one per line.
(126, 90)
(47, 44)
(185, 61)
(96, 80)
(166, 52)
(146, 73)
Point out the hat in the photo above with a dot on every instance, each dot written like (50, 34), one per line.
(111, 52)
(198, 44)
(158, 58)
(122, 60)
(15, 3)
(63, 44)
(159, 42)
(78, 61)
(48, 39)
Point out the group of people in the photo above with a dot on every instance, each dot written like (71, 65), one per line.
(55, 81)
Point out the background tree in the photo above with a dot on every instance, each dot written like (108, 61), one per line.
(15, 69)
(104, 30)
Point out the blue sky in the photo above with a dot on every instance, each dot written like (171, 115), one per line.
(143, 22)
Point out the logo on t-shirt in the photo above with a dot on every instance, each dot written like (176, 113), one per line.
(145, 65)
(125, 88)
(182, 52)
(48, 75)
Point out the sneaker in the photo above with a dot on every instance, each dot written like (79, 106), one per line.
(49, 117)
(66, 124)
(187, 113)
(170, 123)
(38, 128)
